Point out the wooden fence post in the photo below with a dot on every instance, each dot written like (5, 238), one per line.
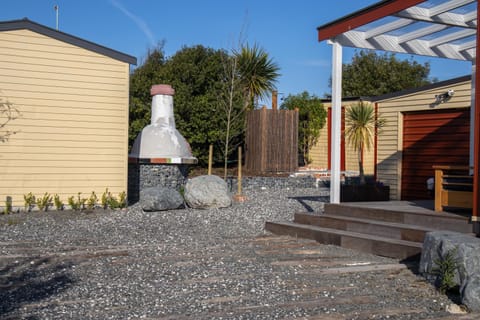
(239, 197)
(210, 159)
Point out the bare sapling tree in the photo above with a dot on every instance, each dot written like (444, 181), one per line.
(8, 113)
(230, 103)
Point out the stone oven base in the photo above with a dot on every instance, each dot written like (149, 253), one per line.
(142, 176)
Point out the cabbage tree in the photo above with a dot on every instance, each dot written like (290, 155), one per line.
(361, 126)
(258, 74)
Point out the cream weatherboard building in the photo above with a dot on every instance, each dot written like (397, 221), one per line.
(420, 131)
(72, 96)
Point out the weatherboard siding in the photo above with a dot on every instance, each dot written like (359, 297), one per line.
(73, 127)
(390, 141)
(319, 152)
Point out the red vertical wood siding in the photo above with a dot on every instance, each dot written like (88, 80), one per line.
(439, 137)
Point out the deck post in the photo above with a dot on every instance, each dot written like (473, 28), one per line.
(336, 121)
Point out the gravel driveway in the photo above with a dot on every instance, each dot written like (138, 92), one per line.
(198, 264)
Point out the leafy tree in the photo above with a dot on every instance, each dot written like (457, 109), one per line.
(372, 74)
(361, 124)
(312, 118)
(258, 73)
(197, 75)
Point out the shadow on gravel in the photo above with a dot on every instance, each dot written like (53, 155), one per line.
(31, 281)
(305, 199)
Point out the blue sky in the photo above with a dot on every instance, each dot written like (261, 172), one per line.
(285, 29)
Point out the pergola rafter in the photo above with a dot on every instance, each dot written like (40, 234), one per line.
(445, 30)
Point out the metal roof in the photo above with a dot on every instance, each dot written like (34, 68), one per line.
(431, 86)
(65, 37)
(437, 28)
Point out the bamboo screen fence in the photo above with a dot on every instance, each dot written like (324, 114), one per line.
(271, 142)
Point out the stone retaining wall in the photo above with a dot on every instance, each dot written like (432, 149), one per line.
(141, 176)
(249, 183)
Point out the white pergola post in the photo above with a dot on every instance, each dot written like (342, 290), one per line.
(336, 122)
(472, 117)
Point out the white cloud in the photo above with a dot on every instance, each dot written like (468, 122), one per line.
(138, 21)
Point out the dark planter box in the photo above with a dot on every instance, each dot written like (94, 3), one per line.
(367, 192)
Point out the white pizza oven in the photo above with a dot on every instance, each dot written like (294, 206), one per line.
(160, 155)
(160, 141)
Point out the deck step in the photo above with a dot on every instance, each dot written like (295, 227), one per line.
(386, 229)
(404, 215)
(394, 248)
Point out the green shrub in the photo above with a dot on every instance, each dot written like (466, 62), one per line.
(77, 204)
(110, 201)
(122, 200)
(92, 201)
(29, 199)
(105, 197)
(57, 202)
(44, 202)
(72, 203)
(446, 267)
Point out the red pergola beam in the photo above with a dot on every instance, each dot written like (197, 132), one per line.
(364, 16)
(476, 134)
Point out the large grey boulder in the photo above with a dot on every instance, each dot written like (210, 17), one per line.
(467, 254)
(160, 199)
(206, 192)
(471, 293)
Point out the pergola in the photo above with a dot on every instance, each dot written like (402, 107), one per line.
(437, 28)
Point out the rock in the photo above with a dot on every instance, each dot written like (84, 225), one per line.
(205, 192)
(455, 309)
(160, 199)
(471, 293)
(435, 247)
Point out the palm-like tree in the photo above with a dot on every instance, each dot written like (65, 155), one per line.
(257, 72)
(361, 126)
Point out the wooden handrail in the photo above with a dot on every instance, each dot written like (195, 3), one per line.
(450, 167)
(455, 198)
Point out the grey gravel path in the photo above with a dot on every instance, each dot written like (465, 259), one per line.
(198, 264)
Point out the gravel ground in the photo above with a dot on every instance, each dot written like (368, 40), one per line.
(198, 264)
